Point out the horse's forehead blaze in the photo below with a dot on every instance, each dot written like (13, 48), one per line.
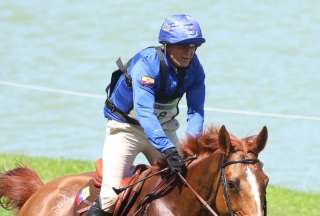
(250, 178)
(254, 188)
(241, 171)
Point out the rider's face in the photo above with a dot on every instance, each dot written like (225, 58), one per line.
(181, 56)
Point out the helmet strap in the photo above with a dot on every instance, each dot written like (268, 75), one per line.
(165, 49)
(168, 57)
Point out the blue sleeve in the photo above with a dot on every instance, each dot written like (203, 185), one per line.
(195, 102)
(144, 99)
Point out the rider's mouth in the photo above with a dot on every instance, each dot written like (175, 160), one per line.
(186, 59)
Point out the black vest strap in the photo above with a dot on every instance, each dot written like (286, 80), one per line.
(160, 95)
(119, 113)
(163, 72)
(124, 70)
(181, 75)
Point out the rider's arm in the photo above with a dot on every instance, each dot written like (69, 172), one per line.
(143, 75)
(195, 101)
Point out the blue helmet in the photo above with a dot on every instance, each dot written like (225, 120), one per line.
(181, 29)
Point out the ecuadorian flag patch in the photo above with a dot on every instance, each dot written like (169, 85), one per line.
(82, 195)
(147, 81)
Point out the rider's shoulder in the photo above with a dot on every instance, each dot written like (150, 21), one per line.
(149, 54)
(145, 61)
(147, 58)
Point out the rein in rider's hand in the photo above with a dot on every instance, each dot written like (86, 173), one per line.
(176, 163)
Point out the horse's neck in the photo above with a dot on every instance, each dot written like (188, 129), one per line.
(204, 173)
(203, 176)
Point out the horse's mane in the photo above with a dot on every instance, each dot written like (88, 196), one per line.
(206, 143)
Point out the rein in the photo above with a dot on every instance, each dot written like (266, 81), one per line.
(203, 202)
(198, 196)
(119, 190)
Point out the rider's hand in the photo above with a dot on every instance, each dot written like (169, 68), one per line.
(175, 161)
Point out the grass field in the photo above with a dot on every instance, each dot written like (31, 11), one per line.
(281, 201)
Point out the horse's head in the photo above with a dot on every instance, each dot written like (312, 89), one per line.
(224, 172)
(244, 182)
(230, 169)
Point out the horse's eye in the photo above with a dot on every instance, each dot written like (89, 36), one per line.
(232, 185)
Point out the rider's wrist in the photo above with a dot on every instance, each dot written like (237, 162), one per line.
(169, 151)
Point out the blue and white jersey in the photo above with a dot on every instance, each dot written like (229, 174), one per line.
(143, 100)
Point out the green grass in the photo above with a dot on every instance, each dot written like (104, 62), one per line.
(281, 201)
(47, 169)
(285, 202)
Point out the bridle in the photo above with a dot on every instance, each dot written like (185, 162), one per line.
(224, 164)
(225, 186)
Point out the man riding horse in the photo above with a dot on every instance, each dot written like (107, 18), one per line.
(142, 104)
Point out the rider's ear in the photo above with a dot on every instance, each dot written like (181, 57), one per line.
(261, 139)
(224, 140)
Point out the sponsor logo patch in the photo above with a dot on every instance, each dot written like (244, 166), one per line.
(147, 81)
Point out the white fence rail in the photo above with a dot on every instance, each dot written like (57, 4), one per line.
(210, 109)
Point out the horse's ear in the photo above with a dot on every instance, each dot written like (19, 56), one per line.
(261, 139)
(224, 140)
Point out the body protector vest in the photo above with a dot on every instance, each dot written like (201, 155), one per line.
(166, 106)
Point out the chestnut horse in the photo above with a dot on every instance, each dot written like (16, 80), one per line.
(226, 173)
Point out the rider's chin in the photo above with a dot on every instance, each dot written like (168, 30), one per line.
(185, 62)
(180, 62)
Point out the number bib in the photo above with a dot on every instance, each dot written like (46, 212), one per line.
(164, 111)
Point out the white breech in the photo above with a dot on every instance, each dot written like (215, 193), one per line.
(123, 143)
